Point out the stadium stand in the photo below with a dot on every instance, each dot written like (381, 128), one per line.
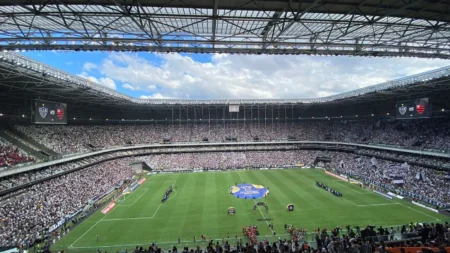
(34, 201)
(55, 198)
(372, 167)
(26, 214)
(11, 155)
(418, 134)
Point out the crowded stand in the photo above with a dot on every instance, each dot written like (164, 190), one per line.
(10, 155)
(33, 209)
(227, 160)
(424, 160)
(30, 210)
(23, 178)
(417, 134)
(418, 182)
(26, 177)
(427, 237)
(27, 214)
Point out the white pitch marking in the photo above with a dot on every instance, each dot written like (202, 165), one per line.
(419, 211)
(146, 189)
(141, 218)
(219, 239)
(103, 219)
(314, 185)
(125, 219)
(71, 246)
(343, 184)
(258, 207)
(382, 204)
(161, 243)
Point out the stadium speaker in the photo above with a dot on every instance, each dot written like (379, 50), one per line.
(205, 139)
(166, 140)
(256, 138)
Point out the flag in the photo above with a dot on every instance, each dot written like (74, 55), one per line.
(418, 176)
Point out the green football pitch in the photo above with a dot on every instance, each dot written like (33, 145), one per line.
(200, 201)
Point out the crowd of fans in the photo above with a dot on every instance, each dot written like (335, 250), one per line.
(11, 155)
(425, 184)
(368, 239)
(421, 160)
(417, 134)
(25, 216)
(23, 178)
(25, 213)
(227, 160)
(43, 204)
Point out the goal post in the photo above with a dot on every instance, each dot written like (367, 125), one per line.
(356, 182)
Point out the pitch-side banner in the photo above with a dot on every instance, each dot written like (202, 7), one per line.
(46, 112)
(413, 109)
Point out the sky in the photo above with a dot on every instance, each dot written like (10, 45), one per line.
(222, 76)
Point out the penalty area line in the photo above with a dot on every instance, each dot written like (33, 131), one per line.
(103, 219)
(321, 190)
(146, 189)
(342, 183)
(142, 218)
(87, 231)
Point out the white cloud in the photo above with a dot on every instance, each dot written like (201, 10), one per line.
(88, 66)
(129, 87)
(154, 96)
(104, 81)
(252, 76)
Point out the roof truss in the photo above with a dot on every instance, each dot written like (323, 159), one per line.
(417, 28)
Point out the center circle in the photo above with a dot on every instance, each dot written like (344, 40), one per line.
(249, 191)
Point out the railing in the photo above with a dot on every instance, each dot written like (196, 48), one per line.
(35, 166)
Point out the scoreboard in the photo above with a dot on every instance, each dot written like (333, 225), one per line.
(47, 112)
(413, 109)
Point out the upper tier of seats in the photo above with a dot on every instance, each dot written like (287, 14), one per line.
(418, 134)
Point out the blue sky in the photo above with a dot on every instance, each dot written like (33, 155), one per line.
(203, 76)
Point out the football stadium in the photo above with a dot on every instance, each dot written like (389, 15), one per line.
(225, 126)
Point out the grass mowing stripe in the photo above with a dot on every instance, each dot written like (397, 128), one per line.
(344, 184)
(419, 211)
(258, 207)
(316, 187)
(146, 189)
(199, 207)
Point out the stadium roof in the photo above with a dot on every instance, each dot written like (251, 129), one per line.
(413, 28)
(64, 83)
(23, 79)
